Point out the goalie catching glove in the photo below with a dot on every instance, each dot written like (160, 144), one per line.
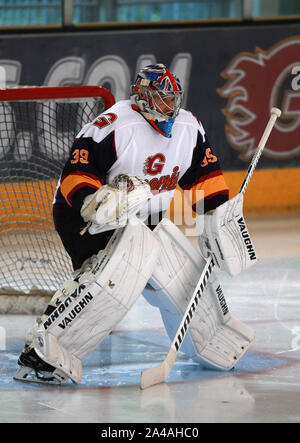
(226, 237)
(112, 205)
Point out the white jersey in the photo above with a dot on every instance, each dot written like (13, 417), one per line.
(121, 140)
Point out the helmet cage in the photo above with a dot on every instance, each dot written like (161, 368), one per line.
(158, 93)
(164, 104)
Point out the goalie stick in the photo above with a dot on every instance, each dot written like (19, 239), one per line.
(160, 373)
(275, 113)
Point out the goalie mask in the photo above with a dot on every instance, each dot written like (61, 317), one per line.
(157, 94)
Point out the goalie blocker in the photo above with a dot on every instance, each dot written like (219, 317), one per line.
(227, 239)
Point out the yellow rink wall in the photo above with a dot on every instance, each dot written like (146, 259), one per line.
(271, 191)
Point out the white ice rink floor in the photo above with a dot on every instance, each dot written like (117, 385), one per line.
(264, 386)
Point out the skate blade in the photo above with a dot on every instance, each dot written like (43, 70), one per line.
(28, 375)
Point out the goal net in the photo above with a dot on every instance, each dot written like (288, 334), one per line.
(38, 126)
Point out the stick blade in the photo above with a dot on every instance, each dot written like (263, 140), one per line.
(154, 376)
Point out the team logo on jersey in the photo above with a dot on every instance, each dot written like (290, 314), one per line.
(165, 182)
(105, 120)
(154, 164)
(256, 82)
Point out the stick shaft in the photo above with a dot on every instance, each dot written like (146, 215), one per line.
(193, 304)
(275, 112)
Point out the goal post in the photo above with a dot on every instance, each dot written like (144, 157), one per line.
(37, 129)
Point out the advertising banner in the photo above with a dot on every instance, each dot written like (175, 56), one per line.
(232, 77)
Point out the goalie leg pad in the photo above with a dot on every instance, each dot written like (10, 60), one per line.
(104, 296)
(214, 338)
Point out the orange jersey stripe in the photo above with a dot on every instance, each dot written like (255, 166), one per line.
(211, 186)
(72, 182)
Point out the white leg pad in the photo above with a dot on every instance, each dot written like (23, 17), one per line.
(59, 357)
(214, 339)
(103, 297)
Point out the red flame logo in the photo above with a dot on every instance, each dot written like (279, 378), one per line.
(256, 82)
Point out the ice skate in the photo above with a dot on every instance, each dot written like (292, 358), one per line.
(34, 370)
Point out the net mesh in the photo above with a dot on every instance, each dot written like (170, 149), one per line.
(36, 137)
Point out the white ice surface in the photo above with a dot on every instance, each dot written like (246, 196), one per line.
(265, 388)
